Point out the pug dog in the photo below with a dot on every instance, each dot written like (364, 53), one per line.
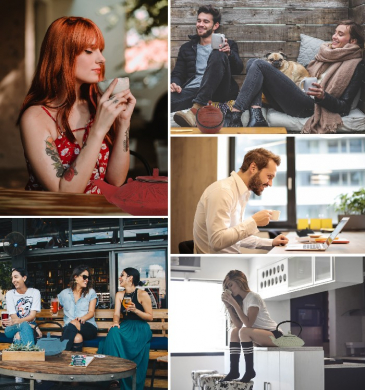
(295, 71)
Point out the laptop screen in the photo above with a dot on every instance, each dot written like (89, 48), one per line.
(339, 227)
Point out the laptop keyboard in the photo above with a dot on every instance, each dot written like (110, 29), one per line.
(313, 246)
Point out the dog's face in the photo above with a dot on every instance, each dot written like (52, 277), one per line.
(276, 59)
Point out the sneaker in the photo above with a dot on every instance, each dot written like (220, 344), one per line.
(233, 119)
(186, 119)
(257, 118)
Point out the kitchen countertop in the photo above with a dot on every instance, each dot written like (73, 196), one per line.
(345, 365)
(288, 349)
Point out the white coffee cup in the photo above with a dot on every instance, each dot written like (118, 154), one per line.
(275, 215)
(122, 85)
(306, 83)
(218, 39)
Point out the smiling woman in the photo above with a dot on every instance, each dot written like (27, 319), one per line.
(79, 302)
(71, 134)
(337, 70)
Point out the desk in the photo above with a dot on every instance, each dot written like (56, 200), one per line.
(230, 130)
(356, 245)
(56, 368)
(21, 202)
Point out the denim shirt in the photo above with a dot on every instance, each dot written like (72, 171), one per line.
(73, 310)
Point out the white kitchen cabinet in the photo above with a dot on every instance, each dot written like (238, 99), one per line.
(289, 368)
(309, 275)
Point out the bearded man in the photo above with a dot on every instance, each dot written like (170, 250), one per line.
(201, 73)
(219, 224)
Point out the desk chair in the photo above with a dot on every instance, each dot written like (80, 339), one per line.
(186, 247)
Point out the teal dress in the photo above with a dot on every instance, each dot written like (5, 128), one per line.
(130, 341)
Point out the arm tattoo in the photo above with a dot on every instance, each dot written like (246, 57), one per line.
(70, 172)
(51, 150)
(126, 141)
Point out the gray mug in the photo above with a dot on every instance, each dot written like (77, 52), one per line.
(218, 39)
(306, 83)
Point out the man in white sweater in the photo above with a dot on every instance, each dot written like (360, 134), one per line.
(219, 224)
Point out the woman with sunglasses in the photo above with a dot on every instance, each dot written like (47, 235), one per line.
(130, 339)
(79, 302)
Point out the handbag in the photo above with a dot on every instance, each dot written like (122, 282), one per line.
(288, 340)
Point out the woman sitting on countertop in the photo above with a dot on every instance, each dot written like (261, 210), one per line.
(251, 323)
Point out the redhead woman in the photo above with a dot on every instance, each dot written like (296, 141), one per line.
(131, 338)
(79, 302)
(72, 134)
(251, 323)
(22, 303)
(339, 70)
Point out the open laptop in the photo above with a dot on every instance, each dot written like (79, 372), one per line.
(317, 246)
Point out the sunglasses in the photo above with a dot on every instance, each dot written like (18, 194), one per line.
(85, 277)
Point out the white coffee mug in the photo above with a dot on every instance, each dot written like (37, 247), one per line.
(275, 215)
(306, 83)
(122, 85)
(218, 39)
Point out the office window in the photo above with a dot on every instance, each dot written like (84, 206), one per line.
(314, 171)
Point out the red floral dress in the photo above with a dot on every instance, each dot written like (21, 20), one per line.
(68, 152)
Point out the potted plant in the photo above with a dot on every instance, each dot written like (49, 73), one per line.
(353, 206)
(24, 352)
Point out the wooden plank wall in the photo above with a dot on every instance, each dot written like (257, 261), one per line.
(357, 13)
(260, 26)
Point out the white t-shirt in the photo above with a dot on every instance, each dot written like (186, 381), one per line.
(263, 319)
(23, 304)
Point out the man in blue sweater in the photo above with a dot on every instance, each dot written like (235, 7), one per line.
(201, 73)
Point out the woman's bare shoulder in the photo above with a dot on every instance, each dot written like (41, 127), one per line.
(35, 118)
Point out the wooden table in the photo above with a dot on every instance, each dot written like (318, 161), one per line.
(356, 245)
(230, 130)
(20, 202)
(57, 368)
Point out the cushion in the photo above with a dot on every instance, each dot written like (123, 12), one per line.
(208, 381)
(159, 343)
(309, 47)
(196, 374)
(234, 385)
(355, 121)
(93, 343)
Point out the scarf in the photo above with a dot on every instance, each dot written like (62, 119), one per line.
(339, 65)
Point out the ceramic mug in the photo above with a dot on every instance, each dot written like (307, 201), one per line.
(218, 39)
(122, 85)
(306, 83)
(275, 215)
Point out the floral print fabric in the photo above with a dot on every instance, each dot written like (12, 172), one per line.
(68, 152)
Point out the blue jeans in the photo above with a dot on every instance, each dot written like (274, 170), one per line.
(281, 92)
(216, 85)
(25, 331)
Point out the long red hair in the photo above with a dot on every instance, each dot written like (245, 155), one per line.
(54, 78)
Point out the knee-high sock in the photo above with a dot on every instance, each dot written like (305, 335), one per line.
(247, 349)
(234, 356)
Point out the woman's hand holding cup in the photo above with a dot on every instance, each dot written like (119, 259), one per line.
(109, 107)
